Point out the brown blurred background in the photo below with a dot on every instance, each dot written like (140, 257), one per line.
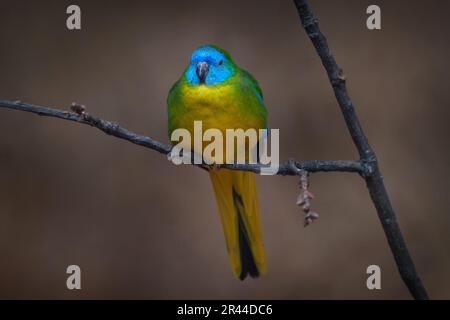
(140, 227)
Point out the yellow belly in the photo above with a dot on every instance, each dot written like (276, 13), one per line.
(217, 107)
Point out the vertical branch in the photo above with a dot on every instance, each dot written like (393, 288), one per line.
(372, 174)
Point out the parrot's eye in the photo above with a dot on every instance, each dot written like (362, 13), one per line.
(220, 62)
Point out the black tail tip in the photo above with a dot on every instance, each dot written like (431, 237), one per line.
(248, 265)
(244, 275)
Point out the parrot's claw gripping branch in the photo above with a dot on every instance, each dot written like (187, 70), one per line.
(366, 167)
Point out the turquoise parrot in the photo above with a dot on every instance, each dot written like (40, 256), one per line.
(214, 90)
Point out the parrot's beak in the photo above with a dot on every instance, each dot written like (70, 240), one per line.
(202, 71)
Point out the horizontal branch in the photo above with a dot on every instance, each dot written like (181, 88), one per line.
(291, 167)
(106, 126)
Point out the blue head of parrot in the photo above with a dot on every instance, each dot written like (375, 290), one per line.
(209, 65)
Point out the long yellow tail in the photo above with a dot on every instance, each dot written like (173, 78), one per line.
(237, 200)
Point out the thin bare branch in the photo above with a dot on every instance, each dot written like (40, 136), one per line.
(372, 174)
(81, 115)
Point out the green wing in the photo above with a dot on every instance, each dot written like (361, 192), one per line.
(252, 82)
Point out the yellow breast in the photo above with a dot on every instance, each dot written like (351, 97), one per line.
(221, 107)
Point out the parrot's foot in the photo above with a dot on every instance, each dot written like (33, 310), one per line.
(214, 166)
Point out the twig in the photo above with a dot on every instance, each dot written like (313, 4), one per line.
(372, 174)
(304, 199)
(111, 128)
